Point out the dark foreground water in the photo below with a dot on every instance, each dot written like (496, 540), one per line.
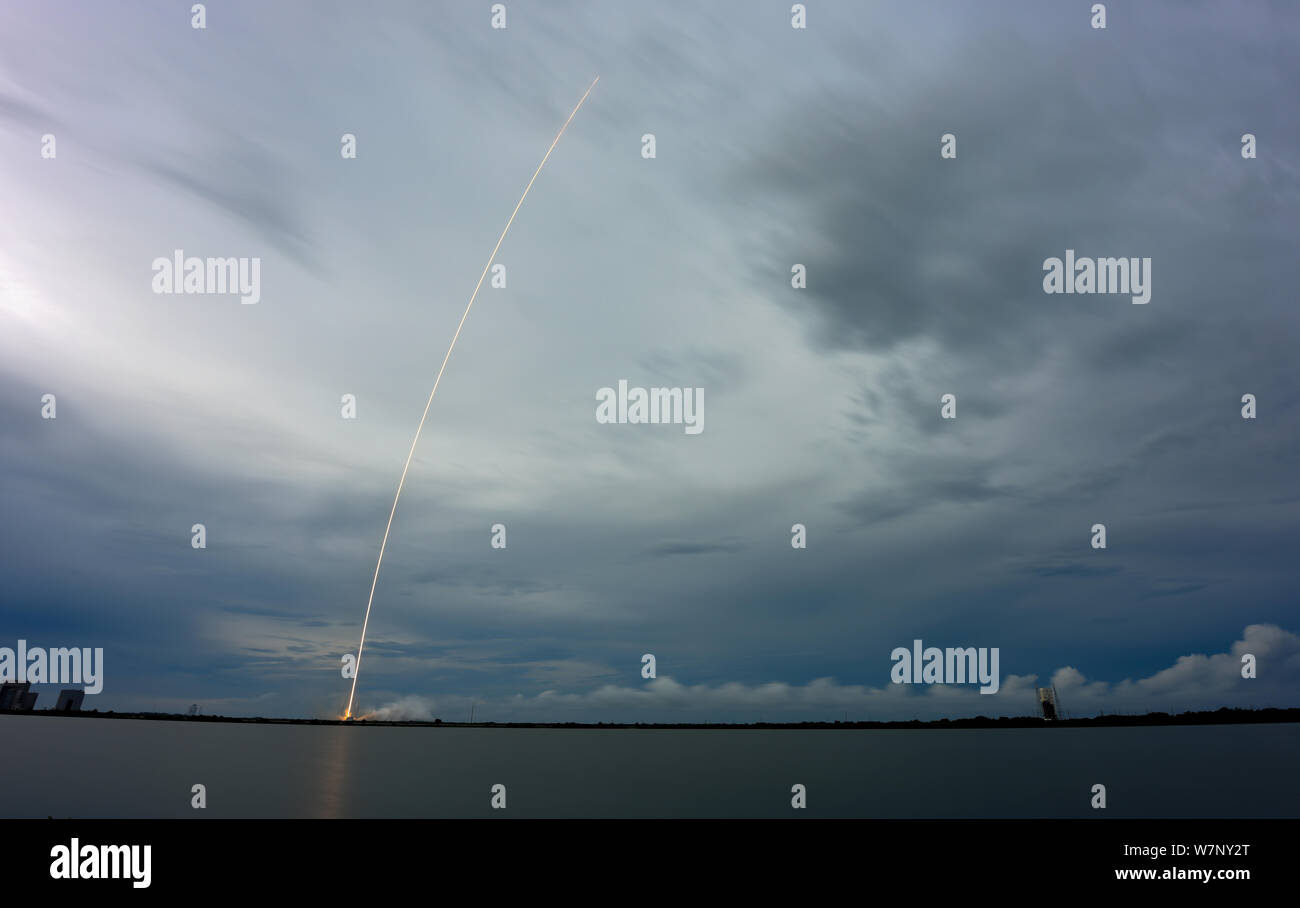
(72, 767)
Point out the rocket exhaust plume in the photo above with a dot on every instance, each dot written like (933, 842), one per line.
(420, 428)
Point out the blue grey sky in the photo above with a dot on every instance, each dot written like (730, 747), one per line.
(774, 146)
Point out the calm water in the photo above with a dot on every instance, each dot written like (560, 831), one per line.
(116, 768)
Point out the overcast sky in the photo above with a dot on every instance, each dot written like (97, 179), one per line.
(774, 146)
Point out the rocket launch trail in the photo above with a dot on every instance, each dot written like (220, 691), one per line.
(420, 428)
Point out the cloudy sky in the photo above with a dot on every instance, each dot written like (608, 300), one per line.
(774, 146)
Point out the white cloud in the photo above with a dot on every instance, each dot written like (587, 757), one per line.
(407, 709)
(1194, 681)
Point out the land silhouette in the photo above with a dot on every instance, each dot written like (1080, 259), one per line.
(1221, 716)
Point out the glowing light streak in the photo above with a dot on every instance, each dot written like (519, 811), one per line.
(420, 428)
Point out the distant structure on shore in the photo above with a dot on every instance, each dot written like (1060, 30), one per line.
(1048, 703)
(70, 701)
(17, 697)
(1224, 715)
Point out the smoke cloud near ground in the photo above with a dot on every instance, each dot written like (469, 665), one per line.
(1193, 682)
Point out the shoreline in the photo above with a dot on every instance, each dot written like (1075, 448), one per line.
(1222, 716)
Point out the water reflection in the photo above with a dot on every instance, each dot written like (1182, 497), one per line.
(333, 762)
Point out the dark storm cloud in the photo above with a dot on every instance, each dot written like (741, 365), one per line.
(1056, 148)
(1063, 142)
(19, 111)
(249, 184)
(291, 615)
(497, 580)
(902, 393)
(667, 549)
(718, 371)
(823, 404)
(920, 493)
(1070, 568)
